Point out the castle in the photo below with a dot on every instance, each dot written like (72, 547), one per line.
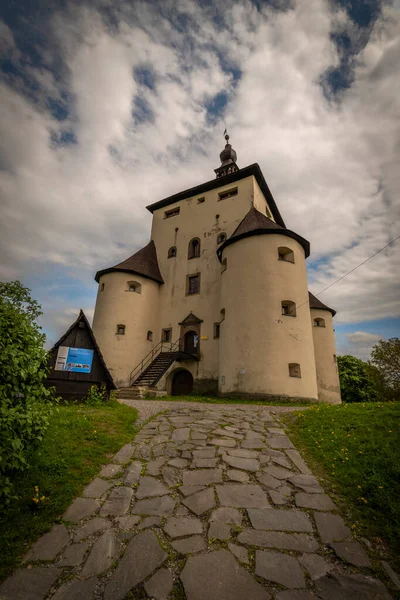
(218, 302)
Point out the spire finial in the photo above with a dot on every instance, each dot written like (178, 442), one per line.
(228, 159)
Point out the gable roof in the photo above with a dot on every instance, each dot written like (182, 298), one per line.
(191, 319)
(82, 317)
(144, 262)
(315, 303)
(213, 184)
(255, 223)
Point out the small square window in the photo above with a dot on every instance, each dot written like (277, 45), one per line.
(294, 370)
(150, 336)
(172, 213)
(120, 329)
(193, 284)
(201, 200)
(217, 329)
(227, 194)
(166, 335)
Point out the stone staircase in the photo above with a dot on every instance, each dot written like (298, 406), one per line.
(144, 384)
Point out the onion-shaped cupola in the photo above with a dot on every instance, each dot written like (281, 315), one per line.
(228, 159)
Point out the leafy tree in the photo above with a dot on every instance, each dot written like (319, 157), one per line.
(358, 382)
(24, 400)
(385, 357)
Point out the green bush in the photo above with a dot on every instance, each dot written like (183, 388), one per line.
(358, 380)
(24, 400)
(96, 395)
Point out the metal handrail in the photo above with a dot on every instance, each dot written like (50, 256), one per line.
(148, 359)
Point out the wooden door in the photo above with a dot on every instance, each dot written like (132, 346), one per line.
(182, 383)
(191, 343)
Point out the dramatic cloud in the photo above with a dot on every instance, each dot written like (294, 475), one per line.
(124, 105)
(359, 343)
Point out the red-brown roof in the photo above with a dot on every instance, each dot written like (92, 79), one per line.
(315, 303)
(255, 223)
(144, 262)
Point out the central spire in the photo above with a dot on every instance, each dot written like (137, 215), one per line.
(228, 159)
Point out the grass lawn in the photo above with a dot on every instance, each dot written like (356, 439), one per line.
(217, 400)
(79, 440)
(356, 447)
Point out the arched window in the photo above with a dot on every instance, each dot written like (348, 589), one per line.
(172, 252)
(194, 248)
(221, 238)
(288, 308)
(102, 286)
(120, 330)
(134, 286)
(294, 370)
(285, 254)
(319, 322)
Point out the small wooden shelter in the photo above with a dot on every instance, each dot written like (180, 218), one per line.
(76, 363)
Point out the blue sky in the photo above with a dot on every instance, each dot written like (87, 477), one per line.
(107, 107)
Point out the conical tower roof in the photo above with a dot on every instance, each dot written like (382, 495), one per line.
(255, 223)
(315, 303)
(144, 262)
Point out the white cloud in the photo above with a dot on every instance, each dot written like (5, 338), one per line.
(331, 164)
(359, 344)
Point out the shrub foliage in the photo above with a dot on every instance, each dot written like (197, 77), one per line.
(24, 400)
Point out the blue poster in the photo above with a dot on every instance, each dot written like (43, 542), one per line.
(77, 360)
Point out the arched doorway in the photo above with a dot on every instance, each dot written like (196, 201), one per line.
(191, 343)
(182, 383)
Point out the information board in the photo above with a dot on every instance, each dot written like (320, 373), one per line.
(76, 360)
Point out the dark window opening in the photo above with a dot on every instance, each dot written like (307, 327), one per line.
(193, 284)
(102, 285)
(120, 329)
(166, 335)
(288, 308)
(319, 322)
(286, 254)
(294, 370)
(217, 329)
(227, 194)
(172, 213)
(194, 248)
(201, 200)
(150, 336)
(172, 252)
(221, 238)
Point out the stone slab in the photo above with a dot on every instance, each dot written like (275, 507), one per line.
(187, 490)
(205, 453)
(76, 589)
(181, 526)
(331, 528)
(315, 565)
(218, 576)
(204, 463)
(190, 545)
(296, 458)
(279, 568)
(96, 488)
(245, 464)
(153, 467)
(300, 542)
(171, 476)
(279, 441)
(117, 503)
(392, 574)
(142, 557)
(200, 502)
(253, 444)
(241, 553)
(219, 531)
(162, 506)
(93, 526)
(73, 555)
(278, 472)
(278, 498)
(127, 522)
(243, 453)
(124, 454)
(81, 508)
(352, 552)
(223, 442)
(29, 584)
(242, 496)
(179, 463)
(350, 587)
(202, 477)
(110, 471)
(225, 514)
(102, 555)
(49, 545)
(150, 522)
(181, 434)
(268, 481)
(160, 585)
(149, 487)
(240, 476)
(132, 473)
(280, 520)
(314, 501)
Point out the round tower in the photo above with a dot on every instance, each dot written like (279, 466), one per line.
(125, 321)
(266, 344)
(325, 351)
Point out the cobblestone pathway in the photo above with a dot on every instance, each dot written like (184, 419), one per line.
(208, 503)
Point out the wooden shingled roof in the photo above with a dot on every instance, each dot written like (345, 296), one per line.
(144, 262)
(255, 223)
